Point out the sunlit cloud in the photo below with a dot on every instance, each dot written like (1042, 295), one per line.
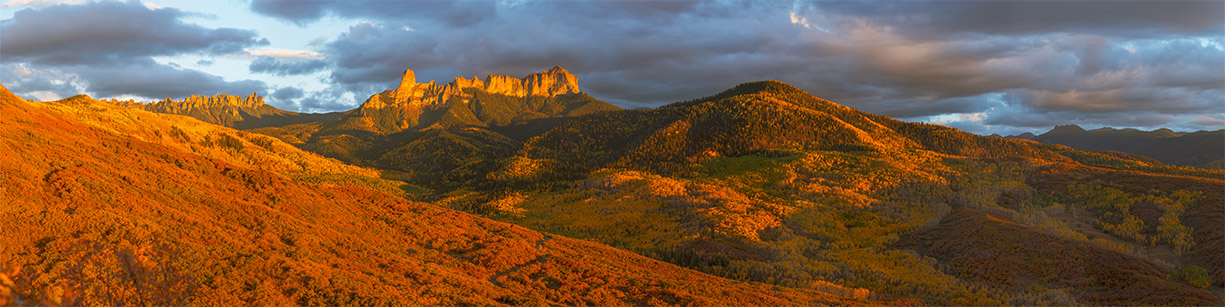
(284, 53)
(798, 20)
(959, 117)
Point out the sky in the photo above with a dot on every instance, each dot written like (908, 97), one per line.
(998, 67)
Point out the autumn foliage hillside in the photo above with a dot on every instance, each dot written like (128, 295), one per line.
(104, 205)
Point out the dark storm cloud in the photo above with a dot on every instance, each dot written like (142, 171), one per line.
(106, 49)
(286, 67)
(111, 32)
(1143, 61)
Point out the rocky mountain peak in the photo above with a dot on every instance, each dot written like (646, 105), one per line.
(218, 109)
(551, 82)
(216, 101)
(408, 84)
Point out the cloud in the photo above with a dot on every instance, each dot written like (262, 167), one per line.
(442, 13)
(285, 53)
(287, 93)
(1129, 19)
(1209, 120)
(271, 65)
(326, 100)
(106, 49)
(51, 84)
(110, 32)
(155, 80)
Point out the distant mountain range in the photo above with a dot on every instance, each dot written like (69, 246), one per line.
(1199, 149)
(762, 194)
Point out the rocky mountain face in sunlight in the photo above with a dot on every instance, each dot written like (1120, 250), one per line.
(494, 101)
(552, 82)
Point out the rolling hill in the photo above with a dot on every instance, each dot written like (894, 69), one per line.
(106, 205)
(1199, 149)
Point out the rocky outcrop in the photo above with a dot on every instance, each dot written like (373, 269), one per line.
(168, 105)
(548, 83)
(492, 101)
(552, 82)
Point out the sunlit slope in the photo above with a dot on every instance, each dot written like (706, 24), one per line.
(767, 183)
(111, 206)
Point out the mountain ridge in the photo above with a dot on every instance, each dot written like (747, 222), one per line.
(240, 112)
(1199, 149)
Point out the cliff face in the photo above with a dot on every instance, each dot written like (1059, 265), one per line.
(410, 94)
(195, 102)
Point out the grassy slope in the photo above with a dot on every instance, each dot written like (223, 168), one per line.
(103, 205)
